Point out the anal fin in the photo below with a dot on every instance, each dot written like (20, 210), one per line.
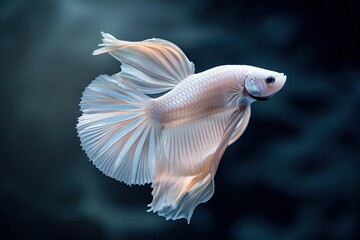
(178, 189)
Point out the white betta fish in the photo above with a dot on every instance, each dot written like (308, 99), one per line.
(174, 141)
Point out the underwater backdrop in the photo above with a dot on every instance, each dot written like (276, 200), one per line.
(294, 174)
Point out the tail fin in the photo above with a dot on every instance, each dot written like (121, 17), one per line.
(115, 130)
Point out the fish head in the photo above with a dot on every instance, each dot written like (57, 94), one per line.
(261, 84)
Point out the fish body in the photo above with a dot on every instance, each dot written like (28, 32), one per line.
(197, 96)
(175, 141)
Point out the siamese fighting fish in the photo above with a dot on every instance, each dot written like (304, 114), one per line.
(159, 122)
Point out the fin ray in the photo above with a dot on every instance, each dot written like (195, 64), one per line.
(240, 128)
(183, 179)
(153, 65)
(114, 130)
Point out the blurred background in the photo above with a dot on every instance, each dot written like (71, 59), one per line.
(294, 174)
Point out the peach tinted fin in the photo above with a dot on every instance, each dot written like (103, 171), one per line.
(185, 169)
(115, 131)
(153, 65)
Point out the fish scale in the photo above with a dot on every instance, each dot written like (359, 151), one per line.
(196, 96)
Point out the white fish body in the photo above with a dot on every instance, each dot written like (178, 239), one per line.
(174, 141)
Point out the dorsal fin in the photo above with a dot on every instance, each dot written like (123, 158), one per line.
(152, 66)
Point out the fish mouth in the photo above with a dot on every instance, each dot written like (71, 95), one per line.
(261, 98)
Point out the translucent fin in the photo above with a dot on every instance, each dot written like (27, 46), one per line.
(115, 132)
(184, 174)
(153, 65)
(240, 128)
(176, 197)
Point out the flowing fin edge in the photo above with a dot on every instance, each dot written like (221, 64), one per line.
(152, 66)
(115, 131)
(176, 196)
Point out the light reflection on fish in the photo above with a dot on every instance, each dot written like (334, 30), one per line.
(174, 141)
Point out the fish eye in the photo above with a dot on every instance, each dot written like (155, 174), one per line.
(270, 80)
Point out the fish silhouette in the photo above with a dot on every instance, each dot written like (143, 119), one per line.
(174, 141)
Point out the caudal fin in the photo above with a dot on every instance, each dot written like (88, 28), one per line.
(115, 130)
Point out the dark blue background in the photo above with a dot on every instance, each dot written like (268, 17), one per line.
(294, 174)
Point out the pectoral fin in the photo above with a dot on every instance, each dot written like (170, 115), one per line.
(240, 128)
